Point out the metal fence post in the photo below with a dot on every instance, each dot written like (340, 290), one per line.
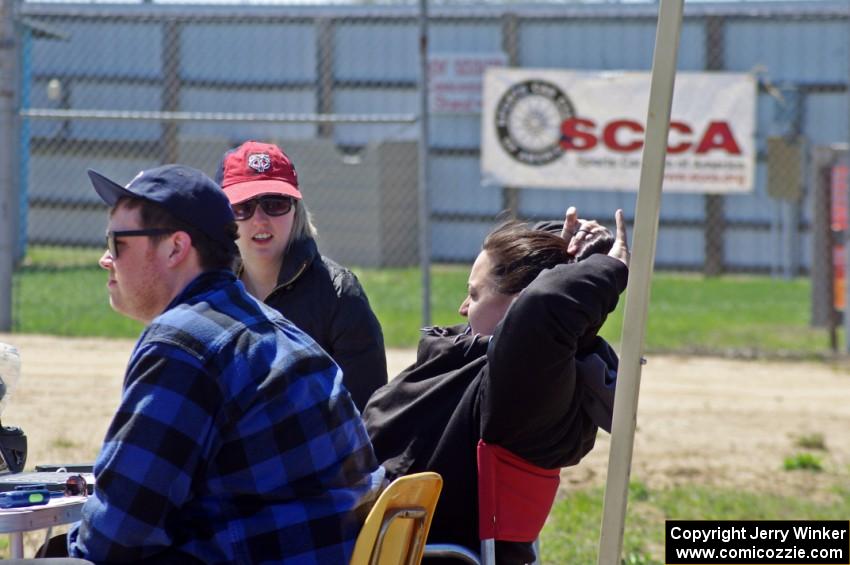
(510, 43)
(847, 161)
(714, 226)
(846, 241)
(8, 161)
(325, 72)
(171, 54)
(822, 290)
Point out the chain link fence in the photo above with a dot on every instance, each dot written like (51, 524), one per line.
(121, 88)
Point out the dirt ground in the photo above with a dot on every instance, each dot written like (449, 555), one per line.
(700, 420)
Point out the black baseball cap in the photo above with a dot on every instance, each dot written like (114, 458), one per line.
(187, 193)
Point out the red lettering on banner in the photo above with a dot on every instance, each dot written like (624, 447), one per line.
(609, 136)
(579, 134)
(436, 67)
(718, 136)
(574, 138)
(685, 145)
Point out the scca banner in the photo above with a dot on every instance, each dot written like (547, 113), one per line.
(582, 129)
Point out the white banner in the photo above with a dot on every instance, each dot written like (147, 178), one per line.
(585, 130)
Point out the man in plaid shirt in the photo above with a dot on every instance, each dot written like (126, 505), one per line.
(235, 441)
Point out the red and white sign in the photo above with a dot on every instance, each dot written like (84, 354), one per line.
(582, 129)
(455, 80)
(839, 221)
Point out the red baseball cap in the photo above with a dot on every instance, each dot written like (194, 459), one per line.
(255, 168)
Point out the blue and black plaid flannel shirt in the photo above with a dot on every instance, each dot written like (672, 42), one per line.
(235, 442)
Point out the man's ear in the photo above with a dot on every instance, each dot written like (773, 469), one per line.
(181, 247)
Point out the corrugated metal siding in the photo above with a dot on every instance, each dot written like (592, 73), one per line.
(252, 64)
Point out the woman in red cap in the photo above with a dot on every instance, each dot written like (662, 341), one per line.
(281, 265)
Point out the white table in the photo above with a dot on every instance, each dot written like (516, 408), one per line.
(16, 521)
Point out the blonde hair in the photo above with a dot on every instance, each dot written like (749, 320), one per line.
(302, 224)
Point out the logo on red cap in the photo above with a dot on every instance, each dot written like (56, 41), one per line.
(260, 162)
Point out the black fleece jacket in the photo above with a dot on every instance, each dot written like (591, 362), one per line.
(540, 388)
(326, 301)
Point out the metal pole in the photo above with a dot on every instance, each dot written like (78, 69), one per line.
(640, 275)
(510, 43)
(325, 72)
(8, 164)
(846, 240)
(714, 223)
(846, 161)
(775, 236)
(785, 238)
(171, 86)
(424, 200)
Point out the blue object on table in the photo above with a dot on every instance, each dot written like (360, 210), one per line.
(28, 495)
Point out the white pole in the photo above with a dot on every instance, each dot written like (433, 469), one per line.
(640, 276)
(424, 200)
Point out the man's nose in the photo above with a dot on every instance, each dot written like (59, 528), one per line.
(464, 308)
(105, 260)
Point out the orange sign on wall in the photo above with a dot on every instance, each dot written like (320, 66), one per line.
(838, 219)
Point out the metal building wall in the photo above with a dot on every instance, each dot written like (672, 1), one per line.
(363, 60)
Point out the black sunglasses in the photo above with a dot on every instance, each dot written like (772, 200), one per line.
(271, 205)
(112, 236)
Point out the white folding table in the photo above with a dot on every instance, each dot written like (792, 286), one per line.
(16, 521)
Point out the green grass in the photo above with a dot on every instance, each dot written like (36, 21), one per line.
(803, 462)
(571, 534)
(742, 316)
(69, 302)
(396, 297)
(51, 257)
(61, 291)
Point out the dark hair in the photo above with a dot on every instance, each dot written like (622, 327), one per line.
(519, 253)
(212, 254)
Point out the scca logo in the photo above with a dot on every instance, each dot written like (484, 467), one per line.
(536, 124)
(625, 136)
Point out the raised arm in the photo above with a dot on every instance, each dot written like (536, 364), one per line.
(530, 388)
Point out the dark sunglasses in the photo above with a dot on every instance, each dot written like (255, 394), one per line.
(112, 237)
(271, 205)
(75, 485)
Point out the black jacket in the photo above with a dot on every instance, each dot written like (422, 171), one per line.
(540, 387)
(326, 300)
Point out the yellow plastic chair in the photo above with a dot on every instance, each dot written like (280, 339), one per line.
(397, 526)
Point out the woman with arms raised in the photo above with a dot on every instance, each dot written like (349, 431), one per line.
(528, 373)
